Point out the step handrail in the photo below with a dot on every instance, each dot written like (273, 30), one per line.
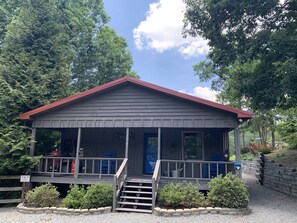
(118, 181)
(155, 182)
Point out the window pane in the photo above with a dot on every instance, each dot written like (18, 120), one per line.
(193, 145)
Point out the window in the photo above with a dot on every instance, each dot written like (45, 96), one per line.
(193, 145)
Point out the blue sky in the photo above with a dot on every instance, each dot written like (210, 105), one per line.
(161, 56)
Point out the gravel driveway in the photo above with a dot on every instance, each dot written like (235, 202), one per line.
(267, 206)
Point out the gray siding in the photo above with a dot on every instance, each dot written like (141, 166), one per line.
(134, 106)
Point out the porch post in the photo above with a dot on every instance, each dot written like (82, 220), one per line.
(33, 141)
(127, 143)
(159, 143)
(237, 151)
(77, 154)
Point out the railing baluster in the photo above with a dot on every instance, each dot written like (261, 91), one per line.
(93, 166)
(46, 165)
(53, 167)
(108, 166)
(209, 170)
(184, 170)
(60, 165)
(67, 166)
(200, 170)
(226, 169)
(168, 169)
(100, 169)
(192, 170)
(217, 170)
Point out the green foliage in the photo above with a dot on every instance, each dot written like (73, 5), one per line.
(43, 196)
(98, 195)
(46, 49)
(246, 149)
(75, 197)
(287, 127)
(14, 158)
(176, 195)
(171, 195)
(251, 62)
(228, 191)
(108, 60)
(192, 196)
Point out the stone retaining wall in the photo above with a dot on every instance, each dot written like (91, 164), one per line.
(251, 167)
(65, 211)
(279, 178)
(200, 211)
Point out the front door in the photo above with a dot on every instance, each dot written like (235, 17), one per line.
(150, 153)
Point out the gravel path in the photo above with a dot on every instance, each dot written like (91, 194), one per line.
(267, 206)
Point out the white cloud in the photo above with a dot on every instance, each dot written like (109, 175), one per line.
(162, 30)
(202, 92)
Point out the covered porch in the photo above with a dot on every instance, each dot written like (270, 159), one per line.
(88, 155)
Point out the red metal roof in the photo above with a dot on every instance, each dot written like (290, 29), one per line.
(240, 113)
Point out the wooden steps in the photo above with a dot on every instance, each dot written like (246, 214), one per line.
(136, 196)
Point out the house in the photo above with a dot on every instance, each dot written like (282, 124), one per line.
(136, 136)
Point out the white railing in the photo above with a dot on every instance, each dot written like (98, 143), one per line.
(192, 169)
(87, 166)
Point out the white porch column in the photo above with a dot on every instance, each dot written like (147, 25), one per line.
(77, 154)
(33, 141)
(159, 143)
(237, 150)
(127, 143)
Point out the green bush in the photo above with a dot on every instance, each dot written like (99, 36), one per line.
(75, 197)
(45, 195)
(175, 195)
(171, 195)
(98, 195)
(245, 150)
(192, 196)
(228, 191)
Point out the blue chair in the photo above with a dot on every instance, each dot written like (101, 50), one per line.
(215, 169)
(105, 163)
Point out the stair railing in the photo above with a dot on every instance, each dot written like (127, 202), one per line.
(155, 183)
(118, 182)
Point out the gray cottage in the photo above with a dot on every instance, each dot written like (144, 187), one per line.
(136, 136)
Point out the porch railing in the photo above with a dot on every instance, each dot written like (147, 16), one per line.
(155, 182)
(192, 169)
(87, 166)
(118, 181)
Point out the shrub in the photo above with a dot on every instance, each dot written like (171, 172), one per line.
(98, 195)
(245, 150)
(43, 196)
(192, 196)
(228, 191)
(75, 197)
(171, 195)
(178, 196)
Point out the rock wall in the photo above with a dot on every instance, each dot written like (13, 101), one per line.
(279, 178)
(251, 167)
(272, 175)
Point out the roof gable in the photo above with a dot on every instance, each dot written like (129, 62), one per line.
(81, 96)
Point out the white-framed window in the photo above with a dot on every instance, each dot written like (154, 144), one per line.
(192, 145)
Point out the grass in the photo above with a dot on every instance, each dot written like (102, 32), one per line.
(286, 157)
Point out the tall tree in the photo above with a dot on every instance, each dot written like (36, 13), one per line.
(105, 59)
(253, 48)
(46, 48)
